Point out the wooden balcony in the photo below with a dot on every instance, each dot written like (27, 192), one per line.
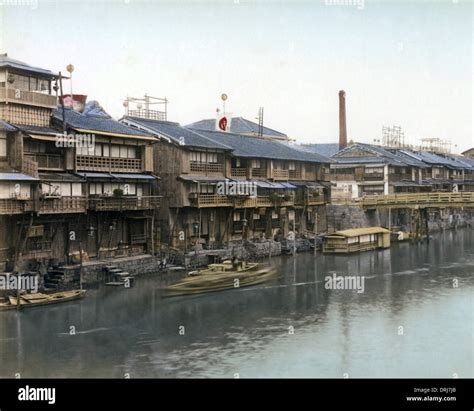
(11, 206)
(109, 164)
(214, 200)
(281, 174)
(259, 172)
(295, 174)
(31, 98)
(263, 201)
(342, 177)
(60, 205)
(206, 168)
(238, 173)
(37, 249)
(312, 200)
(309, 176)
(46, 161)
(373, 177)
(138, 239)
(210, 200)
(125, 203)
(29, 167)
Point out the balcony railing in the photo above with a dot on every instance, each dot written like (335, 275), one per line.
(13, 95)
(342, 177)
(47, 161)
(124, 203)
(281, 174)
(29, 167)
(37, 249)
(295, 174)
(59, 205)
(210, 200)
(239, 172)
(138, 239)
(15, 206)
(373, 176)
(263, 201)
(206, 168)
(112, 164)
(259, 172)
(310, 176)
(214, 200)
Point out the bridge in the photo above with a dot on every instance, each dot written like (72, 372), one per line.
(417, 200)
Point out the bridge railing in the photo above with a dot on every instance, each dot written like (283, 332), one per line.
(447, 198)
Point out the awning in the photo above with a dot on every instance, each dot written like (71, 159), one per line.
(308, 184)
(49, 137)
(117, 176)
(96, 175)
(16, 177)
(273, 185)
(111, 134)
(66, 177)
(125, 176)
(203, 179)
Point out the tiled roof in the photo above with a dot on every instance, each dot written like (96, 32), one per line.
(6, 61)
(245, 146)
(16, 176)
(433, 159)
(6, 126)
(238, 125)
(177, 133)
(105, 124)
(38, 130)
(327, 150)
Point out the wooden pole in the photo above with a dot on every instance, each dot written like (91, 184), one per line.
(80, 265)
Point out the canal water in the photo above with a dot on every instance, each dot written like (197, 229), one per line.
(290, 327)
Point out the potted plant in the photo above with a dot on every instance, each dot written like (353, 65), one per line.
(118, 192)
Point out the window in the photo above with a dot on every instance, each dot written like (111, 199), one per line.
(105, 150)
(3, 146)
(132, 152)
(256, 216)
(123, 152)
(20, 82)
(256, 163)
(115, 151)
(98, 150)
(374, 170)
(83, 151)
(291, 166)
(236, 216)
(206, 189)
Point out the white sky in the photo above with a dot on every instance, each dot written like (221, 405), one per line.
(408, 63)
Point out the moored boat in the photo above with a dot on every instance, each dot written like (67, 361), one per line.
(219, 277)
(38, 299)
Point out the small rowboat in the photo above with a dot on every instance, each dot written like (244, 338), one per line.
(216, 278)
(38, 299)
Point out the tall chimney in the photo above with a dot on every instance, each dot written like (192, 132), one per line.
(342, 120)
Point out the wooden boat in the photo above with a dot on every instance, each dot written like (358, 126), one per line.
(218, 277)
(225, 267)
(38, 299)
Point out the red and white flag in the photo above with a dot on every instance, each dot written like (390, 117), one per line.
(223, 121)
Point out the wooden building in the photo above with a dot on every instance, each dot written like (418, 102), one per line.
(220, 187)
(356, 239)
(57, 195)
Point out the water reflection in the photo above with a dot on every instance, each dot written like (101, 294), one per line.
(246, 331)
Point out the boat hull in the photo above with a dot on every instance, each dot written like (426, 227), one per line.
(219, 282)
(39, 299)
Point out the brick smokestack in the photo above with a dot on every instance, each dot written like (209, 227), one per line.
(342, 120)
